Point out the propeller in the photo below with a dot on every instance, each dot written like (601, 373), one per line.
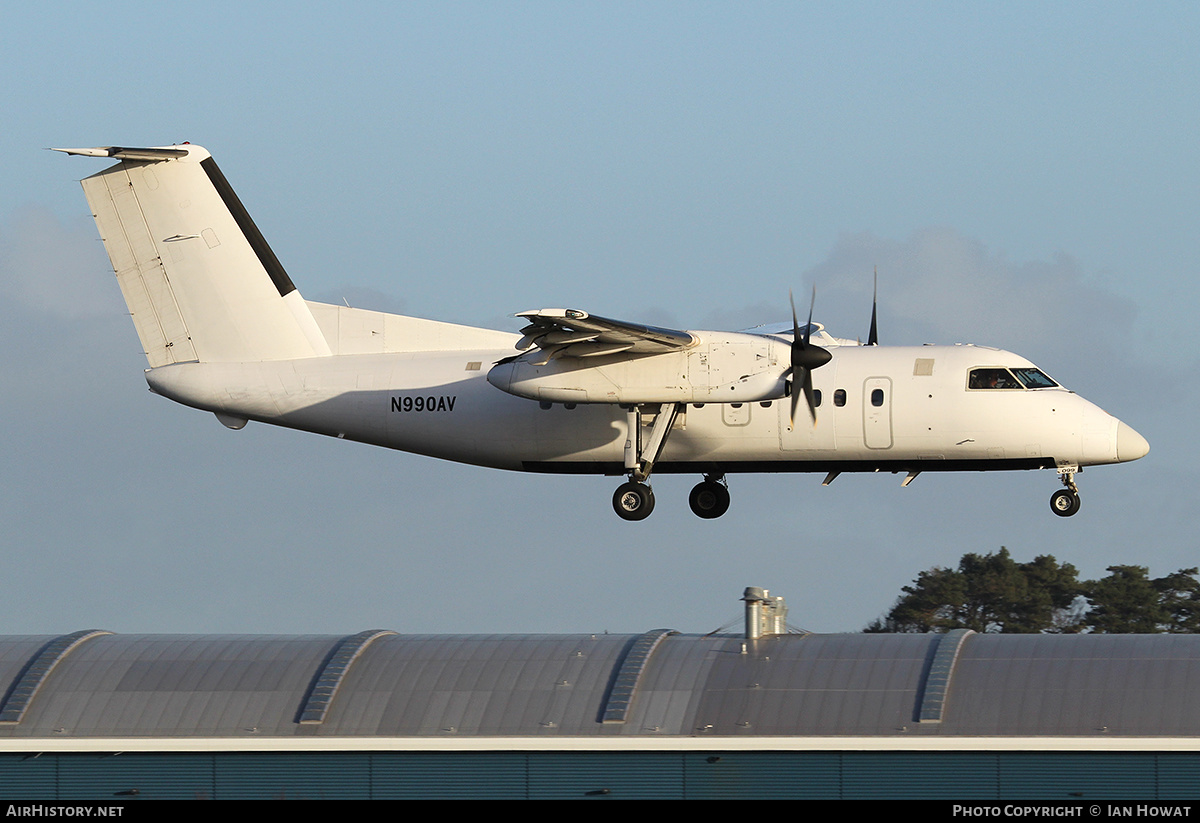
(805, 358)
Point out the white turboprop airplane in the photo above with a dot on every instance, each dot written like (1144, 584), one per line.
(224, 330)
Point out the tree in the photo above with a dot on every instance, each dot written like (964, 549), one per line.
(1128, 601)
(994, 593)
(932, 603)
(988, 593)
(1180, 593)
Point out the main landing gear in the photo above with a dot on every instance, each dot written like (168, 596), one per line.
(710, 497)
(1065, 502)
(634, 500)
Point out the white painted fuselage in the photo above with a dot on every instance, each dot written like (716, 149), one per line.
(441, 404)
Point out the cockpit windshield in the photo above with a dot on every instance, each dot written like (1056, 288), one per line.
(1034, 379)
(997, 378)
(992, 379)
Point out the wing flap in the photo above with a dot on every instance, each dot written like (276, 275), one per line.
(563, 333)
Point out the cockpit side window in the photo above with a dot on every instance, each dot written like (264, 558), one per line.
(992, 378)
(1034, 379)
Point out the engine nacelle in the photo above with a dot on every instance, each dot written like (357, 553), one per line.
(722, 367)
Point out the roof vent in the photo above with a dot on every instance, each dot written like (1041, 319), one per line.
(764, 614)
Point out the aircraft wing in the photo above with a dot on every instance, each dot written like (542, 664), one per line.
(563, 333)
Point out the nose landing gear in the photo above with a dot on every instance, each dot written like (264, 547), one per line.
(1065, 502)
(710, 498)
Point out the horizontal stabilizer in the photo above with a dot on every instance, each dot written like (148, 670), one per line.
(122, 153)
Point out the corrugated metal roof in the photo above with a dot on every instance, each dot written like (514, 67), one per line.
(444, 686)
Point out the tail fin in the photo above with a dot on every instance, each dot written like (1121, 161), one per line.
(196, 273)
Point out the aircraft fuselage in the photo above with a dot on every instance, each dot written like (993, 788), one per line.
(892, 408)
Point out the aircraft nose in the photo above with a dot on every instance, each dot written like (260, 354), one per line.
(1130, 444)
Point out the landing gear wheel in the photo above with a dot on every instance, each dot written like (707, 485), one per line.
(709, 499)
(633, 501)
(1064, 502)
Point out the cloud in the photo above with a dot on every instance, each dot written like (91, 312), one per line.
(941, 286)
(55, 267)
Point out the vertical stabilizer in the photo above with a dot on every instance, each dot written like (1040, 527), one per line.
(198, 276)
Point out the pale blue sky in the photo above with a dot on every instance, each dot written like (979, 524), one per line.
(1023, 174)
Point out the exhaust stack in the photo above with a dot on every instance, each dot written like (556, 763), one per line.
(765, 615)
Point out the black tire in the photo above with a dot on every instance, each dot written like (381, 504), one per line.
(709, 500)
(633, 501)
(1064, 502)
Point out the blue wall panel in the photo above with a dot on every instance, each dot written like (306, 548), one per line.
(958, 776)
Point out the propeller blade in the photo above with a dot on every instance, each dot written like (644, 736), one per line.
(811, 305)
(795, 322)
(808, 395)
(802, 386)
(873, 336)
(795, 403)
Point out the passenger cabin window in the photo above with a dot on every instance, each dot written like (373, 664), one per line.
(992, 379)
(839, 397)
(877, 397)
(816, 397)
